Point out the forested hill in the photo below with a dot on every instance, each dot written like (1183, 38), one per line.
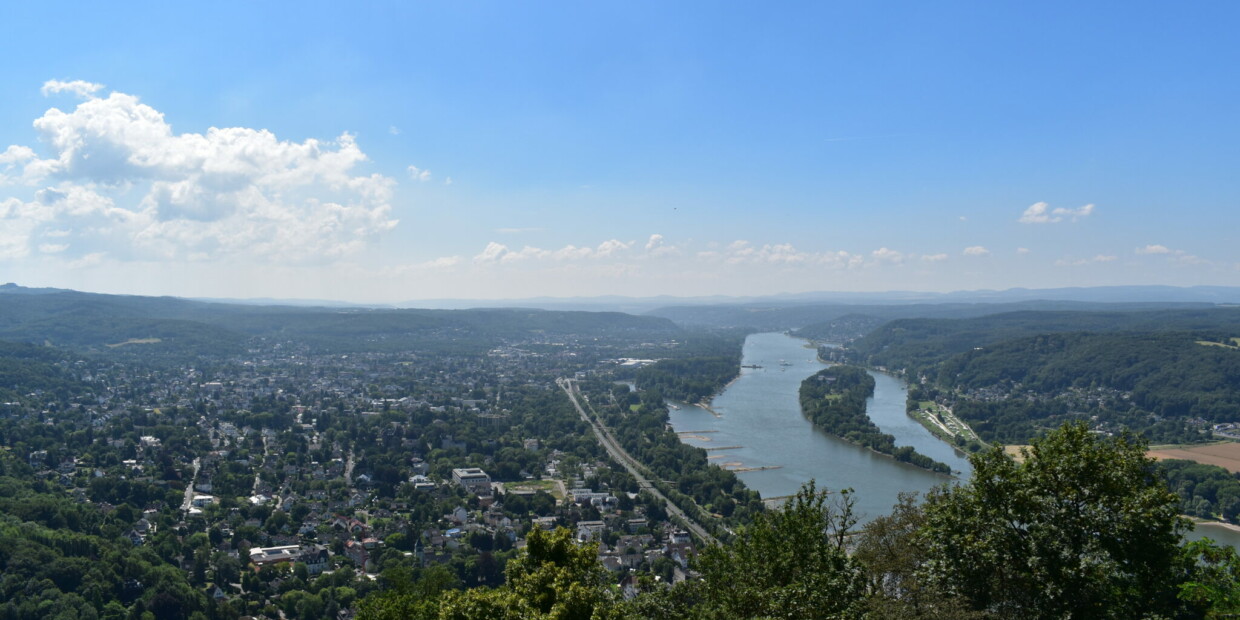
(914, 344)
(1170, 374)
(26, 368)
(783, 316)
(163, 325)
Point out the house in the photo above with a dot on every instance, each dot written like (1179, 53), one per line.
(681, 553)
(361, 558)
(316, 558)
(262, 556)
(421, 483)
(590, 530)
(214, 592)
(458, 515)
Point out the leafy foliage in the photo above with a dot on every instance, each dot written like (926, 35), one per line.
(689, 379)
(790, 563)
(1206, 491)
(915, 344)
(1083, 528)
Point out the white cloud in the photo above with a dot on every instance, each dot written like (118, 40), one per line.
(1100, 258)
(741, 252)
(1179, 256)
(571, 252)
(1040, 213)
(119, 178)
(493, 252)
(394, 130)
(655, 246)
(976, 250)
(934, 258)
(89, 260)
(884, 255)
(447, 181)
(612, 246)
(442, 262)
(500, 253)
(81, 88)
(1022, 250)
(419, 174)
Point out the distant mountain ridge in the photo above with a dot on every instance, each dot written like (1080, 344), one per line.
(91, 321)
(631, 304)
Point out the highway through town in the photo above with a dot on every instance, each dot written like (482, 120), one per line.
(622, 457)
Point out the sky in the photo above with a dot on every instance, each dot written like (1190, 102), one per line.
(386, 152)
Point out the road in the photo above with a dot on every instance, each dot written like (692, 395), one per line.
(622, 457)
(189, 489)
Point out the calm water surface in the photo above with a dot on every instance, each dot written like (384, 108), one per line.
(759, 424)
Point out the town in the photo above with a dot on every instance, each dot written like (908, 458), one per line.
(287, 482)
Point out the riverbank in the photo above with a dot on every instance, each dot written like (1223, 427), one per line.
(782, 450)
(1219, 524)
(835, 400)
(944, 424)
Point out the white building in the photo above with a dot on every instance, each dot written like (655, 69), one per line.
(473, 479)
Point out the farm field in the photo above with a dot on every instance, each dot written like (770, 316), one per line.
(1225, 455)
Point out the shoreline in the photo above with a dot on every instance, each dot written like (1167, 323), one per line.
(1223, 524)
(705, 403)
(950, 473)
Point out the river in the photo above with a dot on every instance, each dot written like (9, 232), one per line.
(760, 424)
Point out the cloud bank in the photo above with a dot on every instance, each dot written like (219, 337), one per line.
(1041, 213)
(118, 181)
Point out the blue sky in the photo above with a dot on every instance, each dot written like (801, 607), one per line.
(399, 151)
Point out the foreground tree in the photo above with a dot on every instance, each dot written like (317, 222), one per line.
(790, 563)
(1082, 528)
(1214, 583)
(554, 579)
(892, 550)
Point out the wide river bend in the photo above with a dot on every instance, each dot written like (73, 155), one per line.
(757, 423)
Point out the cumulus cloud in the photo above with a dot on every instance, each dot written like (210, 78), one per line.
(442, 262)
(1100, 258)
(118, 177)
(1041, 213)
(419, 174)
(976, 250)
(1022, 250)
(742, 252)
(81, 88)
(656, 246)
(1178, 256)
(500, 253)
(612, 246)
(934, 258)
(884, 255)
